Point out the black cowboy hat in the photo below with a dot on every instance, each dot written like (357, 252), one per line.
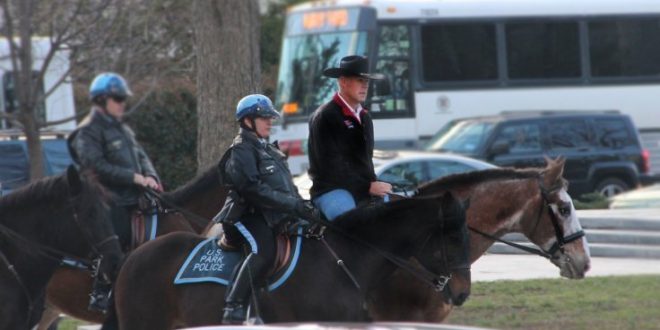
(354, 65)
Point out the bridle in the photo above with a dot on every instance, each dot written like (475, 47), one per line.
(56, 254)
(561, 240)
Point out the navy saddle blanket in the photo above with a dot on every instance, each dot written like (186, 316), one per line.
(208, 263)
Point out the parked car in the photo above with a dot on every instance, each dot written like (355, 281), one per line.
(14, 161)
(647, 197)
(602, 148)
(405, 170)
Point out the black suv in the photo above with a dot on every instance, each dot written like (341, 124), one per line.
(602, 148)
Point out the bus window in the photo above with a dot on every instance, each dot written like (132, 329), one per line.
(392, 95)
(626, 47)
(459, 52)
(542, 50)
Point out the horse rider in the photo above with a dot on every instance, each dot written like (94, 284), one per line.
(262, 199)
(104, 144)
(341, 143)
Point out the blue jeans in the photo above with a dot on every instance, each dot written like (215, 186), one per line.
(334, 203)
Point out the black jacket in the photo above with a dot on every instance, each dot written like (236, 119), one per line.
(108, 147)
(259, 181)
(340, 150)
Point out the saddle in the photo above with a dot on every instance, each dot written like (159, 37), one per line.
(282, 253)
(144, 221)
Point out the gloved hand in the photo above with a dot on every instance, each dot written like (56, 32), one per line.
(306, 210)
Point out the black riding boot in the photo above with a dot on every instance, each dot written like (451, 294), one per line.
(235, 311)
(99, 298)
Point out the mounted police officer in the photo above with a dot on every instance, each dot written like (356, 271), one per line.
(105, 145)
(262, 199)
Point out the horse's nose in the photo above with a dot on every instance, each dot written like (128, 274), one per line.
(461, 299)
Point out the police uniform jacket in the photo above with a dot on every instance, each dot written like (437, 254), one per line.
(108, 147)
(260, 183)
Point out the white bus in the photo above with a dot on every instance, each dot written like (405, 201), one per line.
(59, 104)
(446, 59)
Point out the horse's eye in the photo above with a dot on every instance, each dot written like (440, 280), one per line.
(565, 210)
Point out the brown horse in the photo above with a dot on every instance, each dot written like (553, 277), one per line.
(431, 229)
(69, 288)
(59, 216)
(501, 201)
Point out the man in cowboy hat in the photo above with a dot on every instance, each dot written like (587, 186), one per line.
(341, 142)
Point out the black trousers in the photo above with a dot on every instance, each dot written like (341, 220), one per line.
(258, 238)
(121, 221)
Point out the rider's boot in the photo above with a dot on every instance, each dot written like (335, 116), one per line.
(99, 298)
(235, 311)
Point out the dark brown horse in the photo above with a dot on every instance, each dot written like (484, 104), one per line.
(501, 201)
(202, 197)
(65, 215)
(430, 229)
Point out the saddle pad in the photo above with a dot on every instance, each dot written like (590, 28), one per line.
(208, 263)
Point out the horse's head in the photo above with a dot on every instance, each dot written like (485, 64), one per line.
(91, 215)
(557, 229)
(447, 248)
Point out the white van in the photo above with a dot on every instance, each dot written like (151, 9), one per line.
(59, 104)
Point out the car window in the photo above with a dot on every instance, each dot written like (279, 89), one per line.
(568, 134)
(463, 137)
(613, 133)
(404, 175)
(521, 137)
(440, 168)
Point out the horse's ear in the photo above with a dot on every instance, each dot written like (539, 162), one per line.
(73, 177)
(553, 171)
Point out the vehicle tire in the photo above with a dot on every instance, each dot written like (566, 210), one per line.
(609, 187)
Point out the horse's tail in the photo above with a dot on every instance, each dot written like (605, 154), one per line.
(111, 321)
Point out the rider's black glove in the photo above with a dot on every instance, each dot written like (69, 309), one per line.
(307, 211)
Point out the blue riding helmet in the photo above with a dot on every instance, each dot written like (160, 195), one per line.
(109, 84)
(256, 105)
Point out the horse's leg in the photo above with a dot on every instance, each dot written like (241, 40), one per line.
(50, 314)
(68, 290)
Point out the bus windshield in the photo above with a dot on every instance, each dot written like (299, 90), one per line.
(301, 86)
(463, 137)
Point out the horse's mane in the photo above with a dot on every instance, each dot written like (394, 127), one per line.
(469, 178)
(47, 191)
(208, 179)
(381, 214)
(42, 201)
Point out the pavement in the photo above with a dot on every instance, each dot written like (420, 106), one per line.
(494, 267)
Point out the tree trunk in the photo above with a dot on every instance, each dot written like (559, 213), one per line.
(228, 68)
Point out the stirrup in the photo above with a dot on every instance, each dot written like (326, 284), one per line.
(234, 314)
(99, 302)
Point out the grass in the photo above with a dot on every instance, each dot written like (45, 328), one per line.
(623, 302)
(602, 303)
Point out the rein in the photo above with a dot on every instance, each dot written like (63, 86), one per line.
(561, 239)
(177, 208)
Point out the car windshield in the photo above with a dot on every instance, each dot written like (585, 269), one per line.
(463, 137)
